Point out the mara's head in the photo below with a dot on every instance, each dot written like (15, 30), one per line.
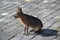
(18, 13)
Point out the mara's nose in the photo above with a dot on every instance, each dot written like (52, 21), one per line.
(14, 16)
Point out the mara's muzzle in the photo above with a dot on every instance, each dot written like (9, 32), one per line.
(15, 16)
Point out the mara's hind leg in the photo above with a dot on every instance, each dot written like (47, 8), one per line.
(32, 30)
(38, 29)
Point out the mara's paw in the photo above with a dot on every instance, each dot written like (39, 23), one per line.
(27, 34)
(31, 30)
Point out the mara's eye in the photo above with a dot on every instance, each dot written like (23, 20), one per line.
(18, 13)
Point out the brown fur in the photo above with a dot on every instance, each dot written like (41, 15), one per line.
(28, 21)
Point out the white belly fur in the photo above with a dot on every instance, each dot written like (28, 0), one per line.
(21, 22)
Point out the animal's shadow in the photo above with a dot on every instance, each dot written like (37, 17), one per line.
(47, 32)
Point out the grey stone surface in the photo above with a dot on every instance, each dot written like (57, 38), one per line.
(46, 10)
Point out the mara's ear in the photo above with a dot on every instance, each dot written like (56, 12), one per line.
(19, 9)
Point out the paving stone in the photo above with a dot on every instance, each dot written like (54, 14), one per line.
(8, 25)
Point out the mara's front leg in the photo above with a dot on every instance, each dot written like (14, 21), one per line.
(26, 31)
